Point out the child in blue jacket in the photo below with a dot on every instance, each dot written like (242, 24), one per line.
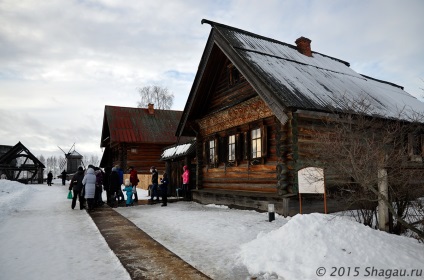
(129, 189)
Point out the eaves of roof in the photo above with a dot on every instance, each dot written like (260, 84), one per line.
(179, 151)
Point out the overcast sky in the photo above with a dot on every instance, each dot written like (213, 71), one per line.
(62, 61)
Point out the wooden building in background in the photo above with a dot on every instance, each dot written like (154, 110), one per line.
(254, 106)
(19, 164)
(137, 137)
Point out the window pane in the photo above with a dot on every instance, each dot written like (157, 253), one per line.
(256, 133)
(256, 143)
(259, 148)
(231, 147)
(211, 151)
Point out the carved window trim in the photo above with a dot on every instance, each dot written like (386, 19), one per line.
(233, 152)
(257, 137)
(211, 152)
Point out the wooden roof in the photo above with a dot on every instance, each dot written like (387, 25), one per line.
(137, 125)
(288, 80)
(16, 151)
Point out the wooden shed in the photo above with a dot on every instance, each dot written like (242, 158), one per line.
(176, 157)
(253, 107)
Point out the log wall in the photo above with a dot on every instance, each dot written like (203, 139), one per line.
(141, 156)
(245, 174)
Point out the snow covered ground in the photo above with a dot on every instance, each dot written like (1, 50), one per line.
(42, 238)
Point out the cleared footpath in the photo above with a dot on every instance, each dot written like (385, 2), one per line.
(141, 255)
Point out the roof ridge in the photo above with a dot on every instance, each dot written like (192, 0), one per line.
(381, 81)
(213, 24)
(138, 108)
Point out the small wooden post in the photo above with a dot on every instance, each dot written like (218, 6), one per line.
(325, 197)
(286, 208)
(325, 202)
(300, 203)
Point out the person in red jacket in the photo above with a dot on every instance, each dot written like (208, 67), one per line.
(186, 181)
(134, 182)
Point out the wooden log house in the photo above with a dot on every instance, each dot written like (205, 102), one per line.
(137, 137)
(254, 106)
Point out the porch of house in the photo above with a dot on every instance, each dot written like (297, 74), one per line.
(287, 205)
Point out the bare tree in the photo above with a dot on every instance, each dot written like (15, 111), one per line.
(159, 96)
(357, 147)
(42, 159)
(93, 160)
(52, 164)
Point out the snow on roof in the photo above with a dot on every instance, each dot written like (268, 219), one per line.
(320, 82)
(177, 151)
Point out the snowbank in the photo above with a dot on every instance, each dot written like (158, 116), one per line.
(46, 239)
(314, 244)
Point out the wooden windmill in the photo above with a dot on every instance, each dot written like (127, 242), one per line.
(72, 160)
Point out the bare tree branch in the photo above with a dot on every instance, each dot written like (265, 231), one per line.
(358, 145)
(159, 96)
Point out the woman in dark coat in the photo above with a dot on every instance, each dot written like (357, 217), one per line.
(134, 182)
(114, 187)
(106, 183)
(76, 186)
(154, 190)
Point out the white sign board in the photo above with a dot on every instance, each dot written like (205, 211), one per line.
(311, 180)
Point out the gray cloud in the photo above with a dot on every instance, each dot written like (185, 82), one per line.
(62, 61)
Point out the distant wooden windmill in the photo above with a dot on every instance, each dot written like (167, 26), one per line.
(72, 160)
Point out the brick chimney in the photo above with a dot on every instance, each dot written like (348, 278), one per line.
(151, 108)
(304, 46)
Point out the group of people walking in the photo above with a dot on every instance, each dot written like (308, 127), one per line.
(155, 188)
(87, 186)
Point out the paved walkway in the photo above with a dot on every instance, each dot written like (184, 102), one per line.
(141, 255)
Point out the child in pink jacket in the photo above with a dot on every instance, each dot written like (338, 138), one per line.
(186, 181)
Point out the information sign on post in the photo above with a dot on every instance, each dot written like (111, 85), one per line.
(311, 180)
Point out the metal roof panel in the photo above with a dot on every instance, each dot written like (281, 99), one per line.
(136, 125)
